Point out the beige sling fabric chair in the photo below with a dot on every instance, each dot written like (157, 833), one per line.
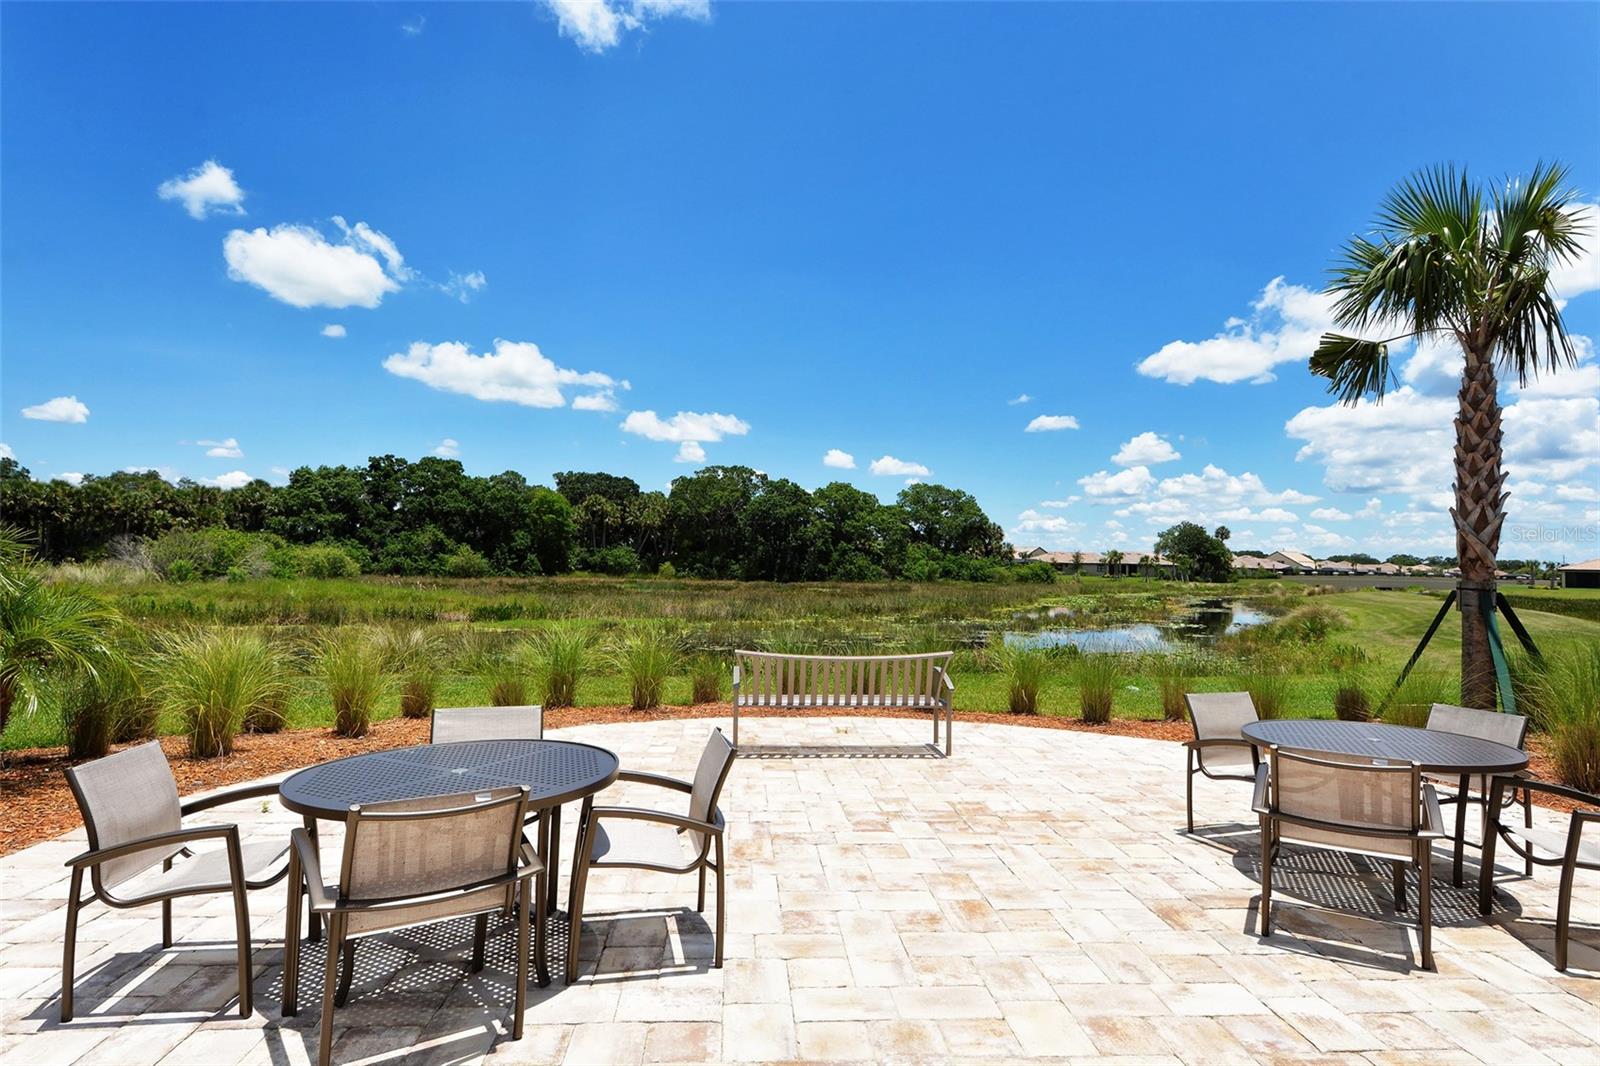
(1570, 850)
(1218, 750)
(411, 862)
(451, 724)
(134, 820)
(1508, 729)
(656, 840)
(1372, 807)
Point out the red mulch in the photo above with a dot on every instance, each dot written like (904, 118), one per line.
(39, 805)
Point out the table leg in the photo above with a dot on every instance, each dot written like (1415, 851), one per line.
(313, 919)
(1461, 830)
(532, 897)
(553, 864)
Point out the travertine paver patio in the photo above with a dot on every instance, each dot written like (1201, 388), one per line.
(1031, 897)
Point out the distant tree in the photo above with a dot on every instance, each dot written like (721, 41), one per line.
(1223, 533)
(1113, 559)
(949, 521)
(1196, 554)
(578, 486)
(1402, 559)
(706, 510)
(1077, 562)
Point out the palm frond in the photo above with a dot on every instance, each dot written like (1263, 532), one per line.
(1354, 368)
(1534, 221)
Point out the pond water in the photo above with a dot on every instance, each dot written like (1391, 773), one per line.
(1198, 624)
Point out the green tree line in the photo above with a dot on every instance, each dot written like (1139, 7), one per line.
(394, 516)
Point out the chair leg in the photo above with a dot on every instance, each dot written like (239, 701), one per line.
(700, 901)
(722, 903)
(1189, 799)
(330, 979)
(69, 949)
(1425, 903)
(531, 898)
(1564, 912)
(1461, 830)
(241, 921)
(1399, 886)
(313, 920)
(166, 913)
(580, 876)
(291, 940)
(347, 973)
(1266, 876)
(1527, 823)
(480, 937)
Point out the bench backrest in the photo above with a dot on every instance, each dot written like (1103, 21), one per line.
(892, 679)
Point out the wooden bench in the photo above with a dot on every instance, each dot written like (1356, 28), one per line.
(846, 682)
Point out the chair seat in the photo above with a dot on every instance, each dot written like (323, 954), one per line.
(629, 840)
(912, 702)
(207, 871)
(1226, 758)
(1552, 843)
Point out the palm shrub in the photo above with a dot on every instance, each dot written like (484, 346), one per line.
(563, 655)
(1024, 667)
(1097, 676)
(414, 655)
(1569, 711)
(646, 655)
(212, 679)
(705, 678)
(353, 668)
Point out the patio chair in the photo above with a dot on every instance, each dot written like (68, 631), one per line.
(1568, 850)
(1508, 729)
(657, 840)
(451, 725)
(1372, 807)
(415, 862)
(131, 811)
(1218, 750)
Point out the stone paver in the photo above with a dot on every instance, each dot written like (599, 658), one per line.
(1032, 897)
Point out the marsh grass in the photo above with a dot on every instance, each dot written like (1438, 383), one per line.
(562, 657)
(705, 678)
(646, 655)
(1023, 666)
(1412, 702)
(354, 670)
(1569, 711)
(1269, 688)
(212, 679)
(415, 654)
(1350, 700)
(1097, 676)
(1173, 674)
(98, 704)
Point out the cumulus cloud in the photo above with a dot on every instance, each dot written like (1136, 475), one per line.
(333, 329)
(71, 477)
(1133, 481)
(688, 429)
(299, 266)
(515, 372)
(1068, 502)
(889, 466)
(465, 286)
(690, 452)
(1051, 423)
(1331, 514)
(839, 459)
(222, 449)
(449, 448)
(233, 479)
(208, 189)
(1284, 325)
(1582, 274)
(1146, 448)
(1031, 523)
(1019, 399)
(6, 452)
(597, 25)
(604, 400)
(60, 409)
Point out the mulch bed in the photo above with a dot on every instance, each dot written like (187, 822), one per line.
(38, 804)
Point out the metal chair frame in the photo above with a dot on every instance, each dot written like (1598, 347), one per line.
(1462, 798)
(1195, 755)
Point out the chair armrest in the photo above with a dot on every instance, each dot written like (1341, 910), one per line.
(1432, 820)
(944, 679)
(639, 814)
(1219, 742)
(735, 673)
(659, 780)
(1548, 787)
(155, 840)
(305, 852)
(1259, 802)
(230, 795)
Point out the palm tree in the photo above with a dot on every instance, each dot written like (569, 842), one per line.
(1449, 260)
(1113, 560)
(42, 629)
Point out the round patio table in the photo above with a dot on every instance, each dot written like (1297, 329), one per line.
(554, 772)
(1437, 752)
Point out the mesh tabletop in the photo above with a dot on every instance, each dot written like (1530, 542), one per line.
(554, 771)
(1434, 749)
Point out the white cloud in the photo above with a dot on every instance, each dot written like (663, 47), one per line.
(600, 24)
(889, 466)
(1266, 514)
(1068, 502)
(298, 265)
(1021, 398)
(1145, 448)
(222, 449)
(1284, 326)
(1331, 514)
(413, 27)
(373, 242)
(71, 477)
(690, 452)
(685, 426)
(1050, 423)
(333, 329)
(1582, 274)
(1031, 523)
(604, 400)
(449, 448)
(208, 189)
(6, 452)
(839, 460)
(1134, 481)
(233, 479)
(515, 372)
(465, 286)
(60, 409)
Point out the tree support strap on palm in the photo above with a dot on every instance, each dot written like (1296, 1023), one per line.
(1497, 649)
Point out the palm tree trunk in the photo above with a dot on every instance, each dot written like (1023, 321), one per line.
(1479, 512)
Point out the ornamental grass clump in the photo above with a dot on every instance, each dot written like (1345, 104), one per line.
(1024, 668)
(212, 679)
(646, 655)
(1350, 701)
(1569, 711)
(353, 668)
(705, 679)
(96, 702)
(563, 656)
(1097, 676)
(1413, 701)
(414, 654)
(1268, 685)
(1174, 675)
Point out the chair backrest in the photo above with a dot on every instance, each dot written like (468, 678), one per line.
(1220, 715)
(1352, 793)
(715, 761)
(772, 679)
(1508, 729)
(452, 724)
(124, 797)
(413, 847)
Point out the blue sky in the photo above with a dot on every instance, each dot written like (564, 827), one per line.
(642, 238)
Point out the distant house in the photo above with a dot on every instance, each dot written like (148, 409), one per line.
(1584, 575)
(1295, 562)
(1093, 564)
(1260, 566)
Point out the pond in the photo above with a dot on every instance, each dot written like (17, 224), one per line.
(1198, 624)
